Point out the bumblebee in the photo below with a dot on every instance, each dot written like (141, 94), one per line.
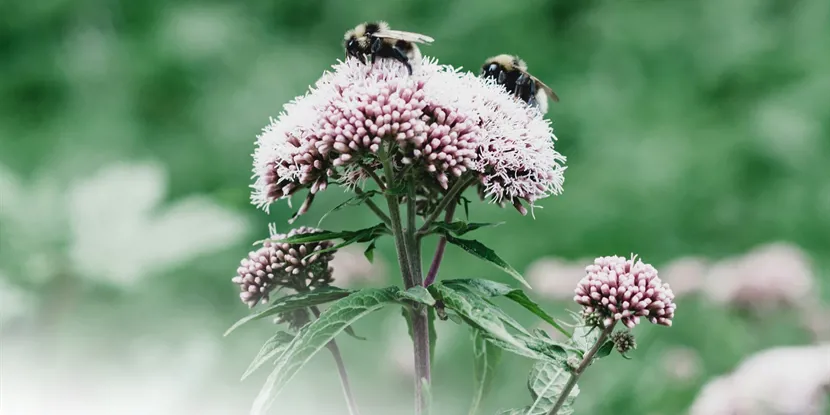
(511, 72)
(377, 40)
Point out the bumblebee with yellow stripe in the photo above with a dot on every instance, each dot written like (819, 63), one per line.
(511, 72)
(377, 40)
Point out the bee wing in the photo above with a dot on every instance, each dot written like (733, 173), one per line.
(401, 35)
(548, 91)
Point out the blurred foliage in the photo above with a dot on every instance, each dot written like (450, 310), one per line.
(691, 127)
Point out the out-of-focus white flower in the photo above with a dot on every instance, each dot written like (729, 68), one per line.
(619, 289)
(781, 381)
(681, 363)
(555, 278)
(351, 267)
(114, 227)
(14, 302)
(685, 275)
(440, 120)
(771, 275)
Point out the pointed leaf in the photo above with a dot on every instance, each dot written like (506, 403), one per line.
(605, 349)
(352, 201)
(294, 302)
(486, 359)
(419, 294)
(316, 335)
(369, 253)
(459, 228)
(483, 315)
(546, 382)
(272, 347)
(481, 251)
(494, 289)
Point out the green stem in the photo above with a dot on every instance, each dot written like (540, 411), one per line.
(450, 197)
(409, 262)
(586, 361)
(378, 211)
(341, 370)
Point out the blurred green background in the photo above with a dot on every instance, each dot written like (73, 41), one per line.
(694, 127)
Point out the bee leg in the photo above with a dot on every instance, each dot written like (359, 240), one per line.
(399, 55)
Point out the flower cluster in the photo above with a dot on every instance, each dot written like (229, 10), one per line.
(620, 289)
(282, 265)
(438, 123)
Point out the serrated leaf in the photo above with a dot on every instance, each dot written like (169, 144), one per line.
(459, 228)
(316, 335)
(483, 315)
(495, 289)
(352, 201)
(486, 357)
(294, 302)
(481, 251)
(585, 337)
(419, 294)
(546, 382)
(329, 235)
(272, 347)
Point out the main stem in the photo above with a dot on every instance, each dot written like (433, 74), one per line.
(341, 370)
(408, 251)
(586, 361)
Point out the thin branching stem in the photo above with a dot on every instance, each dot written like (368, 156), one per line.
(341, 370)
(449, 198)
(374, 176)
(586, 361)
(439, 250)
(372, 205)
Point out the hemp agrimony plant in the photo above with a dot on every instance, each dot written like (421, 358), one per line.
(408, 146)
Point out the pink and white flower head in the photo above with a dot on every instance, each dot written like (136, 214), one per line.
(299, 267)
(619, 289)
(439, 123)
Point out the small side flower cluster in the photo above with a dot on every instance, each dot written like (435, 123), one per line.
(438, 123)
(282, 265)
(619, 289)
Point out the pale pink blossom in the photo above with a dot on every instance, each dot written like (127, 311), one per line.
(555, 278)
(781, 381)
(685, 275)
(769, 276)
(440, 122)
(279, 264)
(619, 289)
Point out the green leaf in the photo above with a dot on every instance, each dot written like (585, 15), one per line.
(352, 201)
(419, 294)
(546, 382)
(317, 334)
(329, 235)
(605, 349)
(486, 359)
(294, 302)
(272, 347)
(481, 251)
(483, 315)
(369, 253)
(495, 289)
(460, 227)
(363, 235)
(585, 337)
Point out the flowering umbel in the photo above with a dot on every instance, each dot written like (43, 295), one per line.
(282, 265)
(439, 123)
(624, 290)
